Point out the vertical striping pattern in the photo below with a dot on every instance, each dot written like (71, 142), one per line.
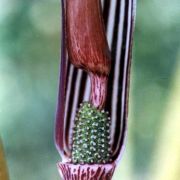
(59, 124)
(76, 94)
(75, 85)
(119, 81)
(86, 172)
(115, 79)
(124, 77)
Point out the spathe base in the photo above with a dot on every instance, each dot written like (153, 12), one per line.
(70, 171)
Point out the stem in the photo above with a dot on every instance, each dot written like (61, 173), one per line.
(3, 166)
(98, 90)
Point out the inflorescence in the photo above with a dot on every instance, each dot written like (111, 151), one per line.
(91, 136)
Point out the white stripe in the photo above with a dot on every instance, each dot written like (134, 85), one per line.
(111, 19)
(87, 90)
(102, 3)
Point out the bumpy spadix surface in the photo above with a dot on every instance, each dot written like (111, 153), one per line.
(91, 136)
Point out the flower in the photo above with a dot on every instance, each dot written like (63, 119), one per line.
(96, 76)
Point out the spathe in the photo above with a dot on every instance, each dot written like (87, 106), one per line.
(75, 88)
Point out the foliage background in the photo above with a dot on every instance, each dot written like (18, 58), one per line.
(29, 63)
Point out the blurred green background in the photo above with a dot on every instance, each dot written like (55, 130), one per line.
(29, 63)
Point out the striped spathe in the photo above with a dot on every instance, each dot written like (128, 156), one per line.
(74, 86)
